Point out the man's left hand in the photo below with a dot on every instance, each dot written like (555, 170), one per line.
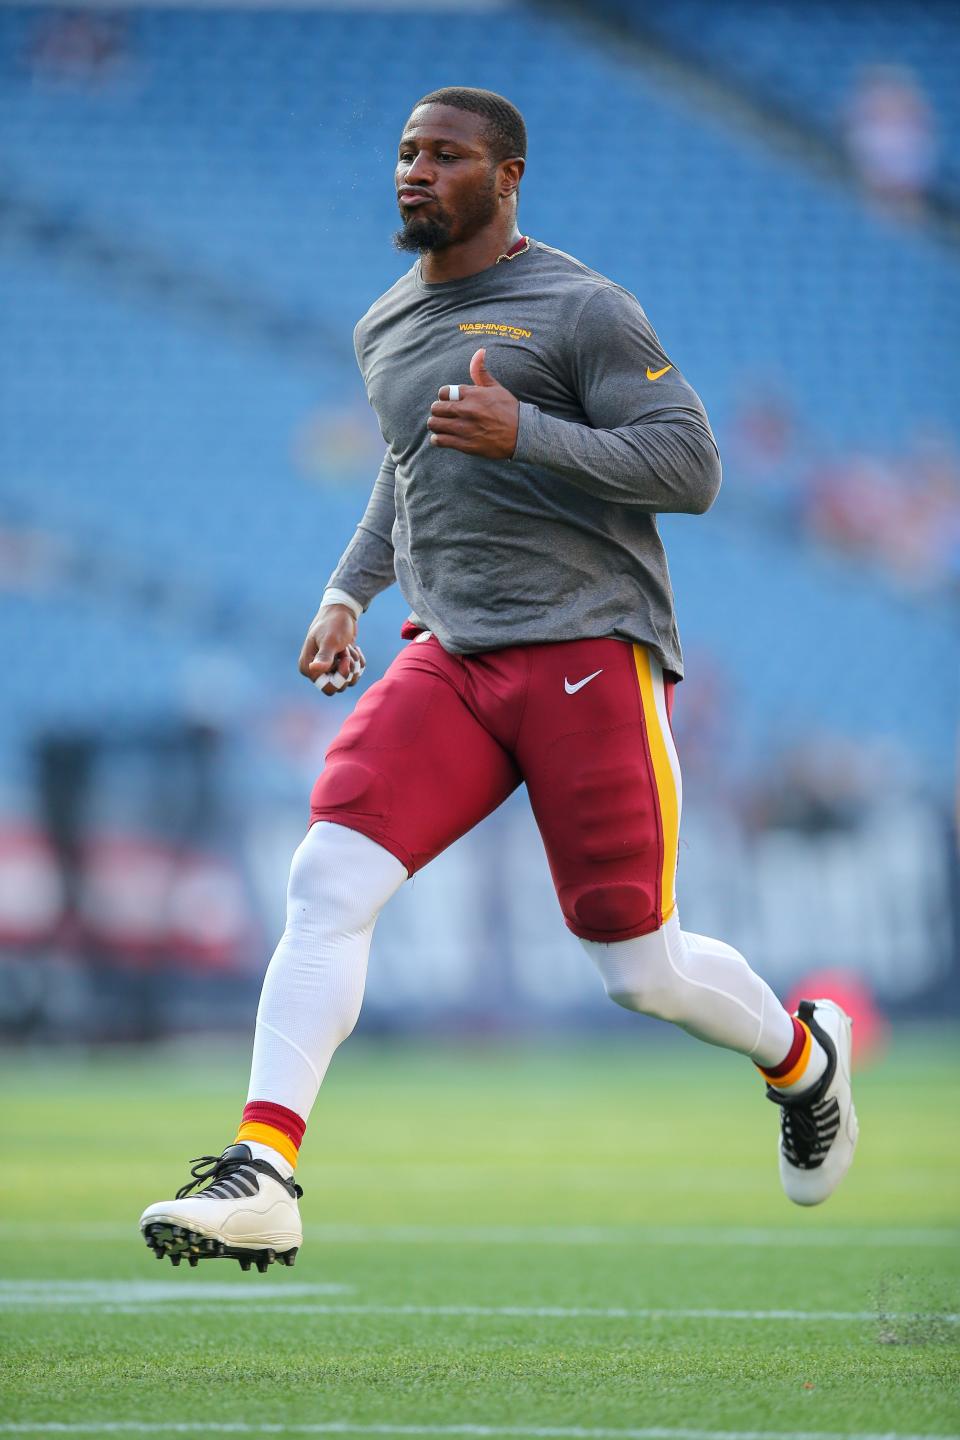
(483, 421)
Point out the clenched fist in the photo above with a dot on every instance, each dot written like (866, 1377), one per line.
(483, 421)
(331, 649)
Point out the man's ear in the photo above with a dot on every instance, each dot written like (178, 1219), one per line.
(511, 173)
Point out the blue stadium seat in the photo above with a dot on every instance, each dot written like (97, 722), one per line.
(256, 149)
(808, 57)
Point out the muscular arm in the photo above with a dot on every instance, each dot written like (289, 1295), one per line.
(366, 566)
(648, 442)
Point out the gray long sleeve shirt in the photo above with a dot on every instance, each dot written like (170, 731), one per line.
(560, 542)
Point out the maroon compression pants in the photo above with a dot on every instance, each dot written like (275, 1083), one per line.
(442, 740)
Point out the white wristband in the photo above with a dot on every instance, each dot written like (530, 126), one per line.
(332, 596)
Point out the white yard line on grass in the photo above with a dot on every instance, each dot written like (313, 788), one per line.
(136, 1297)
(722, 1236)
(470, 1432)
(142, 1294)
(556, 1312)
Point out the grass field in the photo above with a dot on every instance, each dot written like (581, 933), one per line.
(563, 1242)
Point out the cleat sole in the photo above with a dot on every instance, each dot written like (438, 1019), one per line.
(173, 1242)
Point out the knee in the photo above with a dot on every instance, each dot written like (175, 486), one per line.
(325, 894)
(647, 995)
(640, 975)
(610, 912)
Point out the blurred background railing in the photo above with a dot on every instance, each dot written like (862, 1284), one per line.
(195, 208)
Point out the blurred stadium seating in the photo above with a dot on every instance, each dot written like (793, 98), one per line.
(808, 58)
(196, 208)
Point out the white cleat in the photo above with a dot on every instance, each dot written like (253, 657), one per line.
(818, 1130)
(246, 1211)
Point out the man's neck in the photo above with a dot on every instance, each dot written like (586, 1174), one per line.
(478, 253)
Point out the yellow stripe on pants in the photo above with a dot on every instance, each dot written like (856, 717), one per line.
(664, 779)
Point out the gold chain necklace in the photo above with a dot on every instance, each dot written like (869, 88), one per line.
(512, 254)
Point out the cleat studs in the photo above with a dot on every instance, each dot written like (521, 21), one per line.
(271, 1255)
(194, 1261)
(244, 1264)
(159, 1254)
(175, 1258)
(262, 1265)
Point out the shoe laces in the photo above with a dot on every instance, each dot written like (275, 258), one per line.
(226, 1177)
(808, 1130)
(210, 1171)
(809, 1123)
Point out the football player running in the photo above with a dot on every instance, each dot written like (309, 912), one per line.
(535, 428)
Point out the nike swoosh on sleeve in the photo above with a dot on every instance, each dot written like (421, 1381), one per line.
(655, 374)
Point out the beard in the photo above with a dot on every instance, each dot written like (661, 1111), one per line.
(425, 232)
(440, 229)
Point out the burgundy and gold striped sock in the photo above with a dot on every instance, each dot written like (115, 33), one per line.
(803, 1064)
(281, 1129)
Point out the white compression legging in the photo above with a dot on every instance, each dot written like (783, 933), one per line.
(313, 989)
(339, 882)
(702, 985)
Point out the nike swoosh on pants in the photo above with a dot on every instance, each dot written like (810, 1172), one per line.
(572, 689)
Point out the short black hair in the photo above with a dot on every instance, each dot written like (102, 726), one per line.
(505, 131)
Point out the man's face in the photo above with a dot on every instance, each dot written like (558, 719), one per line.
(446, 180)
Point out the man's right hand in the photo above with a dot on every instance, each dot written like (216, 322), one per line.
(330, 648)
